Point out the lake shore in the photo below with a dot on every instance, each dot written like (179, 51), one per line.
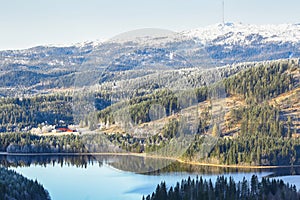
(145, 155)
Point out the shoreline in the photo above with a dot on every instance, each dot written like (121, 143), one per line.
(144, 155)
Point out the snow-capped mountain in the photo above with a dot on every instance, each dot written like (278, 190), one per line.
(231, 42)
(242, 34)
(216, 45)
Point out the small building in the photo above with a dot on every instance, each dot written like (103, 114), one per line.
(64, 129)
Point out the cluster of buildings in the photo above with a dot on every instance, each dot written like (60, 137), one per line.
(44, 129)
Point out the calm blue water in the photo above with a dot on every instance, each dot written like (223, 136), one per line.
(106, 182)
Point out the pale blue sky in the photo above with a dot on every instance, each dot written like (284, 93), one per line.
(27, 23)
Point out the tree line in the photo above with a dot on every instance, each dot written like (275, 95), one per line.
(225, 188)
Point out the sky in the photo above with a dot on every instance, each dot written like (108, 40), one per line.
(28, 23)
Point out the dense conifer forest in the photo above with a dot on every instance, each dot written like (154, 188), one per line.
(225, 188)
(16, 186)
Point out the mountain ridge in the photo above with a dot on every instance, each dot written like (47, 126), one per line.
(201, 32)
(212, 46)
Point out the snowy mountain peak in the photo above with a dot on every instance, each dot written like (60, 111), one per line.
(246, 34)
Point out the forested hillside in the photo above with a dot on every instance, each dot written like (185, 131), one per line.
(16, 186)
(258, 121)
(26, 111)
(259, 128)
(18, 114)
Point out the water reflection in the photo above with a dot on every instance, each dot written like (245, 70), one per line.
(26, 161)
(133, 164)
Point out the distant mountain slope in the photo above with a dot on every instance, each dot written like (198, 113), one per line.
(243, 34)
(216, 45)
(239, 42)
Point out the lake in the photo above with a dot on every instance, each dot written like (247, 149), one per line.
(120, 177)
